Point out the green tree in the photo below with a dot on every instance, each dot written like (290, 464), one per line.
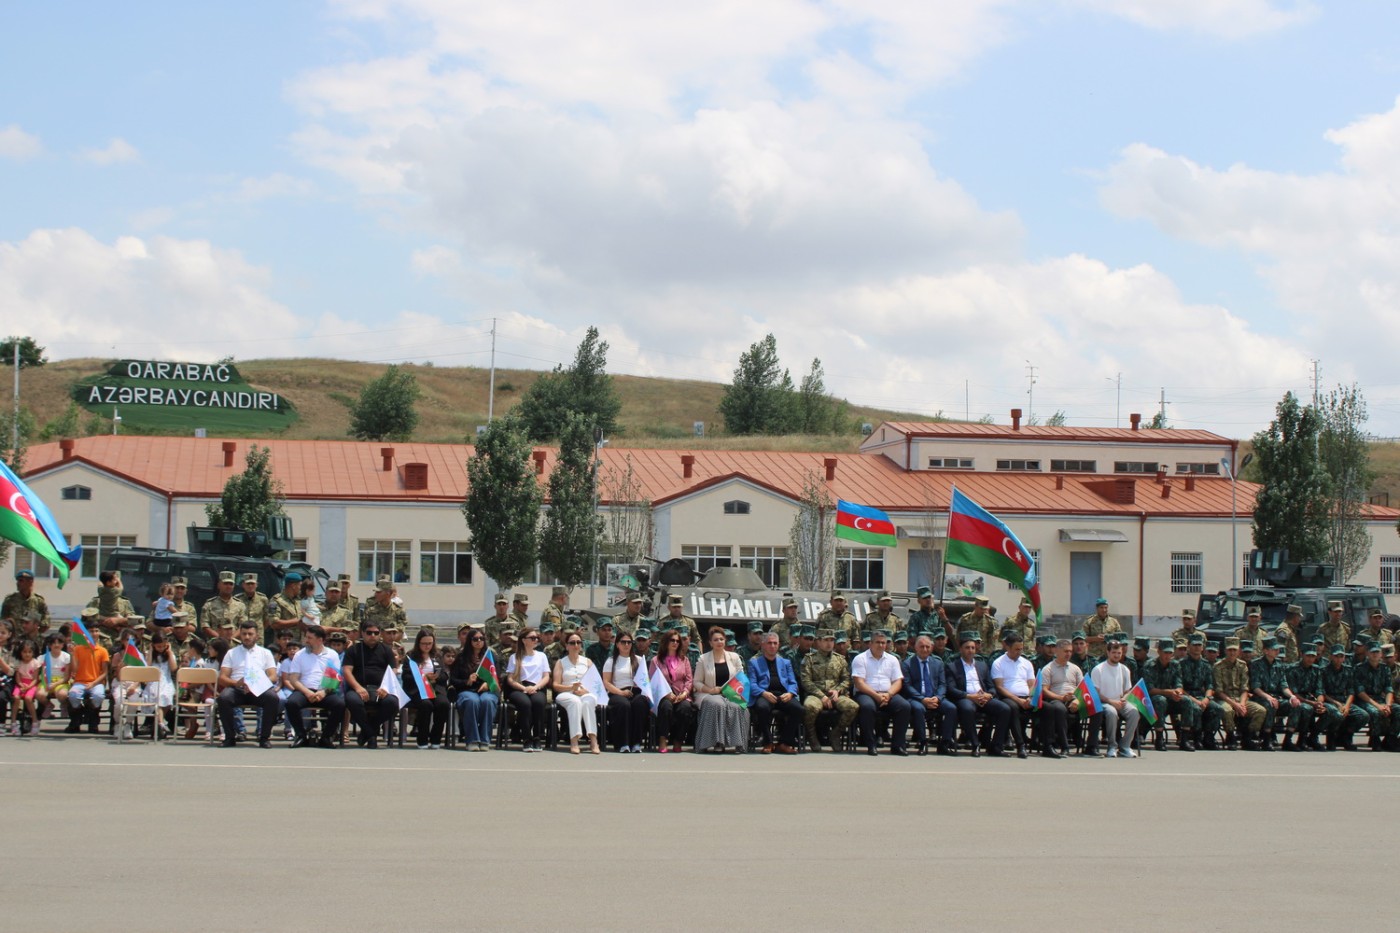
(1293, 507)
(584, 387)
(385, 409)
(30, 353)
(572, 525)
(812, 537)
(1057, 420)
(1159, 420)
(816, 411)
(1345, 453)
(760, 399)
(250, 498)
(503, 503)
(630, 534)
(65, 425)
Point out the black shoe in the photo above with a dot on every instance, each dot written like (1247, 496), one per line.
(949, 749)
(362, 739)
(902, 752)
(74, 724)
(298, 740)
(994, 752)
(1021, 752)
(1288, 745)
(1159, 741)
(976, 751)
(1051, 753)
(228, 743)
(264, 743)
(871, 752)
(1188, 745)
(923, 749)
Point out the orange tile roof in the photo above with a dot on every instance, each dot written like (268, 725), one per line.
(189, 467)
(1048, 433)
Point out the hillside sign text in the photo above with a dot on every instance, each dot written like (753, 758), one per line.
(226, 388)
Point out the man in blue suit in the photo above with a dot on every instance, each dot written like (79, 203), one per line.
(774, 689)
(926, 689)
(970, 687)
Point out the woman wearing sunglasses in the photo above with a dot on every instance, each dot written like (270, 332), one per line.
(528, 677)
(579, 703)
(629, 709)
(477, 699)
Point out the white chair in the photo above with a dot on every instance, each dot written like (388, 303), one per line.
(127, 709)
(195, 712)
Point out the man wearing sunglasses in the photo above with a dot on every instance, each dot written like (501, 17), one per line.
(363, 667)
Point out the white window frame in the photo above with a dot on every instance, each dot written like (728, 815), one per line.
(703, 557)
(770, 563)
(26, 559)
(298, 553)
(1187, 573)
(436, 556)
(860, 568)
(1390, 574)
(95, 550)
(1018, 465)
(387, 556)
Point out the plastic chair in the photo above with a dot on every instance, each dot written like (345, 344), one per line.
(126, 709)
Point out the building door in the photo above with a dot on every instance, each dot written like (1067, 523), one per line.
(1085, 581)
(923, 565)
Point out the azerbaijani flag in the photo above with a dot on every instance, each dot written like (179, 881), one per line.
(25, 520)
(132, 656)
(81, 636)
(862, 524)
(487, 672)
(425, 689)
(737, 690)
(1038, 694)
(1139, 697)
(978, 540)
(330, 674)
(1088, 696)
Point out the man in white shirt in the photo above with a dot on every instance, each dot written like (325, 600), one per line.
(306, 678)
(246, 660)
(876, 679)
(1113, 681)
(1014, 677)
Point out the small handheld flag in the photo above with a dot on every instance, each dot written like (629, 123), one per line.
(132, 656)
(1140, 698)
(1038, 694)
(391, 686)
(330, 675)
(864, 524)
(1088, 696)
(424, 688)
(737, 690)
(81, 636)
(657, 689)
(487, 672)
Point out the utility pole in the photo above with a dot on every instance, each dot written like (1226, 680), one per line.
(967, 399)
(1030, 393)
(1316, 380)
(491, 389)
(1162, 408)
(1118, 408)
(14, 446)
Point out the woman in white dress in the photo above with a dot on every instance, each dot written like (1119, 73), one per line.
(579, 703)
(723, 723)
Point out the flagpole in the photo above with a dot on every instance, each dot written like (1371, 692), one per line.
(943, 571)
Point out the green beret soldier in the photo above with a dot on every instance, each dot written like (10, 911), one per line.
(825, 678)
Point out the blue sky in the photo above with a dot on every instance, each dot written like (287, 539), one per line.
(1198, 195)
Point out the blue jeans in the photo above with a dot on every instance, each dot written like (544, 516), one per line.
(476, 713)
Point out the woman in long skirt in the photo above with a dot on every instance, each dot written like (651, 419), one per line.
(724, 724)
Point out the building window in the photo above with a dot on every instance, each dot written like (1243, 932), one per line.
(1135, 466)
(384, 558)
(25, 559)
(95, 551)
(770, 563)
(1390, 574)
(736, 507)
(297, 554)
(950, 463)
(1039, 570)
(1074, 466)
(81, 493)
(448, 563)
(1188, 572)
(1206, 469)
(540, 576)
(704, 557)
(860, 568)
(1018, 465)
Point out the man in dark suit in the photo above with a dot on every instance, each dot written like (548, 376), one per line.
(775, 690)
(970, 687)
(926, 689)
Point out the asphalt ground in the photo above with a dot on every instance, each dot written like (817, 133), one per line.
(184, 836)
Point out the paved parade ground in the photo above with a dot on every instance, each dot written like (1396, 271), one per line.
(353, 839)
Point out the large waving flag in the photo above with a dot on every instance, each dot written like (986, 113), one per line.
(25, 520)
(1088, 696)
(978, 540)
(82, 638)
(656, 689)
(737, 690)
(487, 672)
(864, 525)
(1139, 697)
(330, 674)
(424, 688)
(1038, 694)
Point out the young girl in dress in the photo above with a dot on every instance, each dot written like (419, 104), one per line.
(58, 675)
(26, 686)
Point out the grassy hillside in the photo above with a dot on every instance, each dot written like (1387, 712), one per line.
(655, 412)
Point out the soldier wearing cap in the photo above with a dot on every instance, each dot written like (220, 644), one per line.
(675, 614)
(750, 649)
(335, 615)
(626, 622)
(826, 687)
(1163, 679)
(182, 588)
(1079, 654)
(553, 611)
(1097, 627)
(980, 621)
(1044, 651)
(351, 603)
(1334, 631)
(500, 620)
(1198, 687)
(1022, 622)
(841, 644)
(1251, 630)
(1142, 650)
(110, 628)
(1375, 697)
(1308, 712)
(223, 610)
(925, 619)
(1188, 626)
(24, 603)
(520, 610)
(1268, 679)
(882, 616)
(600, 650)
(1287, 633)
(838, 618)
(254, 608)
(1339, 692)
(1358, 651)
(804, 638)
(383, 612)
(786, 623)
(1232, 701)
(1377, 632)
(283, 613)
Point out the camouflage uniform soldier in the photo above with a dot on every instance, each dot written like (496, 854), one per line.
(787, 624)
(520, 612)
(1375, 696)
(553, 612)
(1339, 690)
(981, 622)
(1334, 631)
(675, 606)
(223, 610)
(803, 638)
(1198, 686)
(925, 620)
(1231, 697)
(1188, 626)
(113, 612)
(1252, 630)
(254, 606)
(1163, 679)
(1097, 627)
(1287, 633)
(826, 685)
(382, 612)
(1268, 681)
(499, 621)
(1079, 654)
(750, 649)
(1377, 632)
(335, 615)
(882, 616)
(1043, 654)
(840, 620)
(283, 612)
(1308, 714)
(1022, 622)
(352, 603)
(24, 603)
(627, 621)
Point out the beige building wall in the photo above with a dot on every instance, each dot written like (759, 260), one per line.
(986, 453)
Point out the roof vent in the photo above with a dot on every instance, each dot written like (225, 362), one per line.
(388, 454)
(415, 476)
(229, 448)
(687, 465)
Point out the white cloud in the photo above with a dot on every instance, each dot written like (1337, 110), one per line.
(116, 152)
(16, 144)
(1229, 19)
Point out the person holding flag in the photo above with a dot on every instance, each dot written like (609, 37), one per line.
(475, 678)
(572, 693)
(315, 680)
(1113, 681)
(90, 661)
(427, 690)
(629, 706)
(723, 723)
(1059, 681)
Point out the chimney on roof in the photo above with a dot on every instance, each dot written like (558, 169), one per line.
(830, 463)
(1166, 490)
(66, 445)
(1135, 420)
(1015, 419)
(415, 476)
(388, 454)
(1059, 482)
(1190, 484)
(1161, 473)
(229, 448)
(539, 456)
(687, 465)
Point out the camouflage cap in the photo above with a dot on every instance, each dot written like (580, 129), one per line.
(841, 637)
(180, 581)
(883, 594)
(602, 623)
(345, 579)
(1045, 640)
(1142, 641)
(965, 637)
(808, 631)
(1335, 605)
(1373, 646)
(228, 576)
(1026, 603)
(1271, 644)
(1310, 650)
(1197, 639)
(825, 633)
(941, 633)
(90, 613)
(547, 627)
(333, 585)
(837, 594)
(1079, 636)
(384, 585)
(1387, 650)
(501, 598)
(633, 596)
(1338, 649)
(924, 592)
(1188, 613)
(1246, 646)
(981, 600)
(880, 633)
(899, 636)
(250, 578)
(1359, 642)
(521, 597)
(675, 599)
(1212, 644)
(1166, 644)
(179, 617)
(755, 626)
(465, 627)
(642, 632)
(789, 603)
(729, 640)
(1377, 614)
(1253, 613)
(1293, 609)
(1116, 638)
(559, 591)
(428, 627)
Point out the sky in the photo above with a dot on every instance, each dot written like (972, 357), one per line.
(1077, 206)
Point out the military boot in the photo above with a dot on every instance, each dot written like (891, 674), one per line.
(1288, 745)
(1266, 742)
(1246, 739)
(1159, 740)
(1188, 743)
